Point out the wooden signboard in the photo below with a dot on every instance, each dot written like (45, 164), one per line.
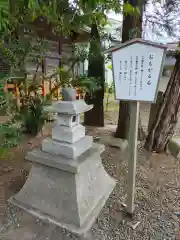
(137, 67)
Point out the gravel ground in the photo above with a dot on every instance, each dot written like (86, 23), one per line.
(157, 213)
(157, 198)
(157, 201)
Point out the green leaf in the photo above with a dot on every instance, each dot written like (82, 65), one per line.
(129, 9)
(10, 136)
(109, 67)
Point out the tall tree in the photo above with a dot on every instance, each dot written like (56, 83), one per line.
(96, 68)
(95, 117)
(167, 115)
(84, 12)
(132, 27)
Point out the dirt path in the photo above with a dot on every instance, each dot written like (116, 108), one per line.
(14, 169)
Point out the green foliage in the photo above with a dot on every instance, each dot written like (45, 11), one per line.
(109, 67)
(64, 16)
(2, 94)
(111, 89)
(95, 56)
(31, 111)
(4, 12)
(129, 9)
(17, 48)
(87, 84)
(32, 115)
(20, 51)
(107, 5)
(10, 136)
(81, 51)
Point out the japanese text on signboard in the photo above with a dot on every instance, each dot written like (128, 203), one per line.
(133, 72)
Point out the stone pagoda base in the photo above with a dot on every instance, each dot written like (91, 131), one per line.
(68, 193)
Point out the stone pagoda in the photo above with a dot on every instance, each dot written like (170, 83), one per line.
(67, 185)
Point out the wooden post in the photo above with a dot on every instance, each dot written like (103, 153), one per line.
(18, 101)
(133, 132)
(60, 51)
(43, 77)
(26, 87)
(50, 87)
(57, 93)
(5, 87)
(43, 87)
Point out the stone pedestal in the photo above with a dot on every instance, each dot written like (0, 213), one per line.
(67, 185)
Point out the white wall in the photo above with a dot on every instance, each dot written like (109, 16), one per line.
(169, 61)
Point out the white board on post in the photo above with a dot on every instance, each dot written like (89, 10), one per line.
(137, 66)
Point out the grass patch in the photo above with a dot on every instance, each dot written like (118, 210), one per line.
(10, 136)
(112, 106)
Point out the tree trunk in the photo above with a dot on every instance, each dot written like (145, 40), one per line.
(95, 117)
(132, 27)
(163, 128)
(123, 120)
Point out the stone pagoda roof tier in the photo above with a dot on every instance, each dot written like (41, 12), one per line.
(69, 107)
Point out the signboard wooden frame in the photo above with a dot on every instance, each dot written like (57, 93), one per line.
(141, 42)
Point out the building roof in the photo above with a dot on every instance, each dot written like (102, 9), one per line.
(45, 29)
